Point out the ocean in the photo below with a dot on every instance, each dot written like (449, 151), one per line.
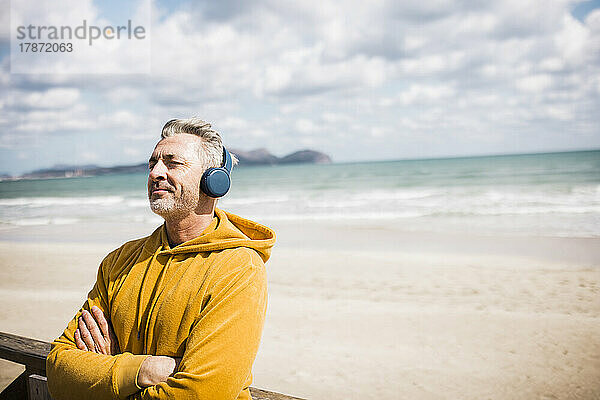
(552, 194)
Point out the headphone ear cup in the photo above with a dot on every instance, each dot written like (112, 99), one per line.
(215, 182)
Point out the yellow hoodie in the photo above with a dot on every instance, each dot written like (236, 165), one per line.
(203, 300)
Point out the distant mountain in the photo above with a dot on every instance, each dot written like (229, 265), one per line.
(255, 157)
(263, 157)
(64, 167)
(246, 158)
(69, 171)
(305, 156)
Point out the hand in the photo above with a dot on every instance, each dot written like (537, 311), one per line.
(95, 333)
(156, 369)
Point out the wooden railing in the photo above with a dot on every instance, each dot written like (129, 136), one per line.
(32, 383)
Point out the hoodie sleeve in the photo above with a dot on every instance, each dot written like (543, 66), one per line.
(224, 339)
(78, 374)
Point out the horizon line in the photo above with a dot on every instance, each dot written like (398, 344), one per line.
(450, 157)
(446, 157)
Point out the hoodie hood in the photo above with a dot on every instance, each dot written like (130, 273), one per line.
(224, 232)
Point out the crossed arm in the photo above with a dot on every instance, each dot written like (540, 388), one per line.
(216, 363)
(94, 333)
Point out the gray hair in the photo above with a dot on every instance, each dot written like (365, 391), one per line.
(211, 149)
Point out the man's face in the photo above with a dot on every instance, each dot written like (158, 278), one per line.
(174, 177)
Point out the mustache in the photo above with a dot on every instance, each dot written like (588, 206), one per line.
(162, 186)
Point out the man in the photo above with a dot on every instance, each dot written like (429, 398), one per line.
(177, 314)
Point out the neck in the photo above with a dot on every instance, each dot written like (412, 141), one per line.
(180, 230)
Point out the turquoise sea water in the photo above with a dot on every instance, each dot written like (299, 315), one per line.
(555, 194)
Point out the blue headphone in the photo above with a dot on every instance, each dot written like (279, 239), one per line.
(216, 182)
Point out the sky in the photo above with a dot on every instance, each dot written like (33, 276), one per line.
(360, 81)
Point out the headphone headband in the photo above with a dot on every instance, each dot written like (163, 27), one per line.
(227, 160)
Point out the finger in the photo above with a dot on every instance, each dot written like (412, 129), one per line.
(99, 341)
(86, 336)
(101, 320)
(78, 342)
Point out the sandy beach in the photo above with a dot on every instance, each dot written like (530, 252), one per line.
(370, 311)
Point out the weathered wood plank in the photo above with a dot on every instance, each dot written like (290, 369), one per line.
(259, 394)
(17, 390)
(38, 387)
(32, 353)
(38, 390)
(23, 350)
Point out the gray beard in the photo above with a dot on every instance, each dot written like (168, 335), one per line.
(162, 206)
(170, 207)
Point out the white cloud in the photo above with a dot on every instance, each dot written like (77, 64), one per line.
(4, 20)
(552, 64)
(122, 119)
(476, 23)
(534, 83)
(573, 41)
(123, 94)
(425, 94)
(133, 152)
(592, 20)
(562, 113)
(233, 123)
(305, 126)
(89, 156)
(56, 98)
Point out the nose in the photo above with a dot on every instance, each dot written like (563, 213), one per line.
(158, 172)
